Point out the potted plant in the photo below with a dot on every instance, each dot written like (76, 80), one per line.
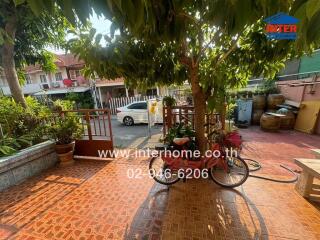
(169, 101)
(64, 131)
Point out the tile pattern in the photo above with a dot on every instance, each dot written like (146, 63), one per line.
(97, 200)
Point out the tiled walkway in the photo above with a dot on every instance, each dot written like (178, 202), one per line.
(95, 200)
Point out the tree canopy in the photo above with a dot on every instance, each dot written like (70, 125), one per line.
(24, 37)
(167, 19)
(214, 44)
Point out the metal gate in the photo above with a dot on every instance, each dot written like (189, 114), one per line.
(97, 136)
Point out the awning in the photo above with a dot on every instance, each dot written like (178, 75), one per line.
(62, 91)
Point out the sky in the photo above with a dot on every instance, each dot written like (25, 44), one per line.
(101, 24)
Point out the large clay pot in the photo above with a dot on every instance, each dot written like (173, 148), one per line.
(269, 122)
(256, 115)
(64, 148)
(274, 100)
(287, 122)
(272, 110)
(66, 159)
(259, 102)
(65, 153)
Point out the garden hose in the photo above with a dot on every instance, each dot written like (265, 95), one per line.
(257, 166)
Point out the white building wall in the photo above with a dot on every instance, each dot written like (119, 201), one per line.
(36, 85)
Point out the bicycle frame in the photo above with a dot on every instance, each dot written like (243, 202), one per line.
(176, 163)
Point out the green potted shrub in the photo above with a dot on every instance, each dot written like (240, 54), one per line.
(169, 101)
(64, 131)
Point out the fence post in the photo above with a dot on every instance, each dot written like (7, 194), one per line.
(88, 125)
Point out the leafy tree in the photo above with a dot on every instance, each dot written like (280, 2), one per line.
(23, 37)
(214, 44)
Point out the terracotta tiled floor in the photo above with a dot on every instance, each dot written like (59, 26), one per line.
(95, 200)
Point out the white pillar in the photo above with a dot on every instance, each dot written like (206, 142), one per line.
(127, 92)
(135, 92)
(100, 97)
(158, 91)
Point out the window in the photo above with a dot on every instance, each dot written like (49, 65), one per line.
(77, 73)
(58, 76)
(142, 105)
(28, 79)
(43, 79)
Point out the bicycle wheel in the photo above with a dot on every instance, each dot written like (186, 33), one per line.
(161, 173)
(236, 174)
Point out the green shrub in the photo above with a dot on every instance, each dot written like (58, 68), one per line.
(81, 100)
(21, 127)
(10, 145)
(268, 86)
(169, 101)
(62, 105)
(65, 129)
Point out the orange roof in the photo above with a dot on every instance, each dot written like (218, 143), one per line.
(104, 82)
(67, 60)
(62, 60)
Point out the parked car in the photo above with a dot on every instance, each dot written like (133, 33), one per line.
(135, 113)
(132, 113)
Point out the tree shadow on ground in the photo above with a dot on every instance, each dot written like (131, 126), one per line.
(196, 210)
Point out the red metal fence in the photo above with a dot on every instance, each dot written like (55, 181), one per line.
(96, 124)
(185, 114)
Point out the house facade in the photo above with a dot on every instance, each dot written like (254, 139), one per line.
(68, 78)
(39, 82)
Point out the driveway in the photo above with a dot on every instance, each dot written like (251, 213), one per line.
(135, 136)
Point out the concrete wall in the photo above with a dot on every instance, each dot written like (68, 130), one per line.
(301, 93)
(26, 163)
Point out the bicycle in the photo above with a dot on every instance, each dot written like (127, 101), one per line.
(226, 171)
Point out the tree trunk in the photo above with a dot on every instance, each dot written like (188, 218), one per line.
(199, 109)
(9, 64)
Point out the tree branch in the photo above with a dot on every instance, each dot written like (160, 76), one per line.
(233, 47)
(185, 60)
(206, 46)
(196, 21)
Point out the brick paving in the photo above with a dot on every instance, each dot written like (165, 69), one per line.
(96, 200)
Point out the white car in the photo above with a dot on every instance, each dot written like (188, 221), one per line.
(132, 113)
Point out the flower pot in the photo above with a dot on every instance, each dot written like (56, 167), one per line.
(66, 159)
(269, 122)
(65, 153)
(259, 102)
(274, 100)
(64, 148)
(256, 115)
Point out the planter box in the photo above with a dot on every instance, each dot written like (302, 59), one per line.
(26, 163)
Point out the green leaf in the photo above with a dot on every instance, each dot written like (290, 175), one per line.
(92, 32)
(98, 38)
(18, 2)
(6, 150)
(67, 9)
(107, 38)
(36, 6)
(113, 28)
(312, 7)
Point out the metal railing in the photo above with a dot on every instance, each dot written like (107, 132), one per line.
(295, 76)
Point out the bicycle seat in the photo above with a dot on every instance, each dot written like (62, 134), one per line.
(181, 141)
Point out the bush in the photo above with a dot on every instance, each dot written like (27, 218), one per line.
(268, 86)
(81, 100)
(169, 101)
(65, 129)
(21, 127)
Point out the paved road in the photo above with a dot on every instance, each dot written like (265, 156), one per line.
(133, 136)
